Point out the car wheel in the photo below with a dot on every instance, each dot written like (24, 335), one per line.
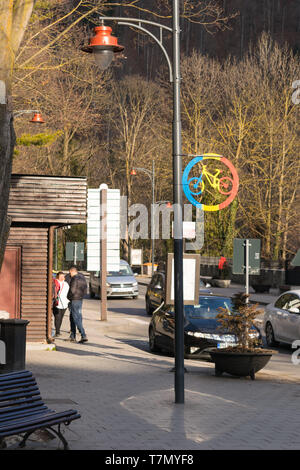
(149, 310)
(270, 338)
(99, 293)
(92, 293)
(152, 341)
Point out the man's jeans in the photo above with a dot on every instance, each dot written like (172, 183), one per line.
(76, 317)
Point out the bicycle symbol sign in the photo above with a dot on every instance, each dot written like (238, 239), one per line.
(223, 185)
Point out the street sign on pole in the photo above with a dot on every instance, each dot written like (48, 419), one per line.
(296, 260)
(191, 279)
(75, 251)
(239, 256)
(246, 258)
(136, 257)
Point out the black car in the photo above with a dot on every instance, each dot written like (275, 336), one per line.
(156, 291)
(201, 327)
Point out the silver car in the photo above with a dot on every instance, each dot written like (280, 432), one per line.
(120, 283)
(282, 319)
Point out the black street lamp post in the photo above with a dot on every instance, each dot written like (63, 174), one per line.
(100, 44)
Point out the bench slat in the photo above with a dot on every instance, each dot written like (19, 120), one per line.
(38, 421)
(22, 409)
(14, 405)
(17, 372)
(16, 385)
(19, 394)
(24, 412)
(15, 375)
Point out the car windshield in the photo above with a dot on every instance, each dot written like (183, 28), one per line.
(208, 307)
(124, 270)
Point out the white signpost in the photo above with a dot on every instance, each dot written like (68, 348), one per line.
(136, 257)
(191, 279)
(113, 229)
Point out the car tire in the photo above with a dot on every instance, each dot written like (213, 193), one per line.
(152, 341)
(92, 293)
(149, 310)
(270, 338)
(99, 293)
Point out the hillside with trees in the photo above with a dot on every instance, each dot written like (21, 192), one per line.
(239, 60)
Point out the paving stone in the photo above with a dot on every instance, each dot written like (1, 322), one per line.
(126, 398)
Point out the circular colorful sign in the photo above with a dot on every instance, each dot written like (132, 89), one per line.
(210, 180)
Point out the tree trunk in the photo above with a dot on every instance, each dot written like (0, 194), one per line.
(14, 17)
(7, 142)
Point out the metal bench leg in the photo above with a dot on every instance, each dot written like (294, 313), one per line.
(2, 443)
(23, 442)
(61, 437)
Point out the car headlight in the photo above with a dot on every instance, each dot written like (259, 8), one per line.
(135, 284)
(107, 284)
(227, 338)
(255, 334)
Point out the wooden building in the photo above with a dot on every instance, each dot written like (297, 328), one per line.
(37, 205)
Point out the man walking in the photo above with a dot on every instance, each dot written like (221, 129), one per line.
(78, 289)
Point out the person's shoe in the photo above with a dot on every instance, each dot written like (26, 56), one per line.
(57, 335)
(72, 339)
(83, 339)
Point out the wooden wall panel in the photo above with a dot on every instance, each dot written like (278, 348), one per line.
(34, 243)
(48, 199)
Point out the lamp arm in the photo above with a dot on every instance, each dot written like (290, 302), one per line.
(25, 111)
(144, 170)
(159, 41)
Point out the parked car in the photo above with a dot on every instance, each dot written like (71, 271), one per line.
(201, 327)
(156, 291)
(282, 319)
(121, 283)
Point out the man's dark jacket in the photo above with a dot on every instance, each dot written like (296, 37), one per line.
(78, 287)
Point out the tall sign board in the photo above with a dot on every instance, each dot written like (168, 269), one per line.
(113, 229)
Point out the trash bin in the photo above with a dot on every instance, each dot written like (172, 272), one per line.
(13, 345)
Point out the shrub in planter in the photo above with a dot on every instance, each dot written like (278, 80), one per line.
(247, 357)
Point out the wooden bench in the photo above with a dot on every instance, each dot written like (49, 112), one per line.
(22, 410)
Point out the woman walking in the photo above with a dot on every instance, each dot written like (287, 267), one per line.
(60, 300)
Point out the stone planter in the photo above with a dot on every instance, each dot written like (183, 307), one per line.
(284, 288)
(221, 282)
(260, 288)
(238, 363)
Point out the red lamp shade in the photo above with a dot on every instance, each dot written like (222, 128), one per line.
(103, 45)
(37, 119)
(133, 172)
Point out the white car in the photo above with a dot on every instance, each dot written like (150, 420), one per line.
(282, 319)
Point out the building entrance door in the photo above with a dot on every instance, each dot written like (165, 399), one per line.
(10, 282)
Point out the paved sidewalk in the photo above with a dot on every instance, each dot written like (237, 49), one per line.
(126, 399)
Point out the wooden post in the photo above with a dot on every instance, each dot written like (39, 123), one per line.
(103, 252)
(50, 282)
